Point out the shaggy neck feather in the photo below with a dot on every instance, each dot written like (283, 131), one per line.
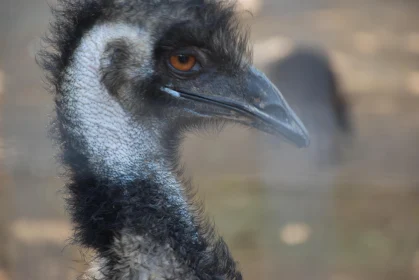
(126, 202)
(119, 150)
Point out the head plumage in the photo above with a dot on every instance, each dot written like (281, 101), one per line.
(213, 23)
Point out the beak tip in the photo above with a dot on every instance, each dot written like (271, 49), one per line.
(302, 134)
(301, 140)
(306, 142)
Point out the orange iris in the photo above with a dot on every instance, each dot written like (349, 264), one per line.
(183, 62)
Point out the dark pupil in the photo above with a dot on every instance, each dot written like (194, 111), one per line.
(183, 59)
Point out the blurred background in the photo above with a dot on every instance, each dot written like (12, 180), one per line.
(347, 208)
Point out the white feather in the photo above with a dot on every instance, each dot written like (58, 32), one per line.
(119, 147)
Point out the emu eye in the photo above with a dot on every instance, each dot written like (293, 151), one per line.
(182, 62)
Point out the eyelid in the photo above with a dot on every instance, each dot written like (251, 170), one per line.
(200, 56)
(188, 66)
(194, 70)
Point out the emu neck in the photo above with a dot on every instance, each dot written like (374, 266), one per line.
(121, 179)
(125, 200)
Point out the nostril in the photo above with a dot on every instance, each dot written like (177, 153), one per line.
(277, 112)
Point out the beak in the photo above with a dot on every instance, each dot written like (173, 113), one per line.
(263, 107)
(275, 116)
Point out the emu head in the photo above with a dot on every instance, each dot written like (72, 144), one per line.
(130, 74)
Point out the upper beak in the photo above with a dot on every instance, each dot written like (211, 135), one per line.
(275, 116)
(263, 107)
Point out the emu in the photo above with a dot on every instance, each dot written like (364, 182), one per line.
(129, 78)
